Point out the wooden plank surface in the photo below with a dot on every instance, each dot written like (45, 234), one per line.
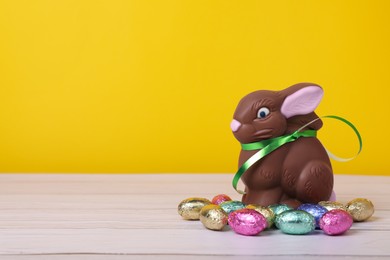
(109, 216)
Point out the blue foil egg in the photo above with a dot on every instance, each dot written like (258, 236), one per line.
(317, 211)
(230, 206)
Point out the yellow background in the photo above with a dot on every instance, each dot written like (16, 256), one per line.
(151, 86)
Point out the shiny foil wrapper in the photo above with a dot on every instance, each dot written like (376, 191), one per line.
(213, 217)
(279, 208)
(218, 199)
(247, 222)
(230, 206)
(295, 222)
(336, 222)
(190, 208)
(329, 205)
(360, 209)
(317, 211)
(266, 212)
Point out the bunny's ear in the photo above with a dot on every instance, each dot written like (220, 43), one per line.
(302, 102)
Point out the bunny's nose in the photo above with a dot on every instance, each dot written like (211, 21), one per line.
(235, 125)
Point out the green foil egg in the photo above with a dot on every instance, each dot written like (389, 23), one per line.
(279, 208)
(295, 222)
(233, 205)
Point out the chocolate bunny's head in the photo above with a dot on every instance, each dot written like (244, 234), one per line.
(267, 114)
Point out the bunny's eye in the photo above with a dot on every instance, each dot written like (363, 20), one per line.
(263, 112)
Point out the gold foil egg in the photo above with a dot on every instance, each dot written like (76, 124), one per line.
(360, 209)
(266, 212)
(213, 217)
(329, 205)
(190, 208)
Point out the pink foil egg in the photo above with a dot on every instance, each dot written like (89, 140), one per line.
(218, 199)
(336, 222)
(247, 222)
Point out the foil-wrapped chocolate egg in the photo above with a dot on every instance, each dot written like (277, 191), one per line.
(266, 212)
(213, 217)
(230, 206)
(336, 222)
(360, 209)
(279, 208)
(315, 210)
(332, 196)
(295, 222)
(247, 222)
(218, 199)
(190, 208)
(329, 205)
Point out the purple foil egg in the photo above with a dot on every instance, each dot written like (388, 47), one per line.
(218, 199)
(336, 222)
(247, 222)
(317, 211)
(332, 196)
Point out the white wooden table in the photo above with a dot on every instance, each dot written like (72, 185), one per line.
(109, 216)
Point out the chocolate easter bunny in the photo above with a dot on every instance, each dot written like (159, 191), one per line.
(297, 172)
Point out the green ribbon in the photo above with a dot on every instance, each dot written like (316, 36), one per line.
(265, 147)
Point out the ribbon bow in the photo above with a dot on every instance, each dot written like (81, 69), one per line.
(265, 147)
